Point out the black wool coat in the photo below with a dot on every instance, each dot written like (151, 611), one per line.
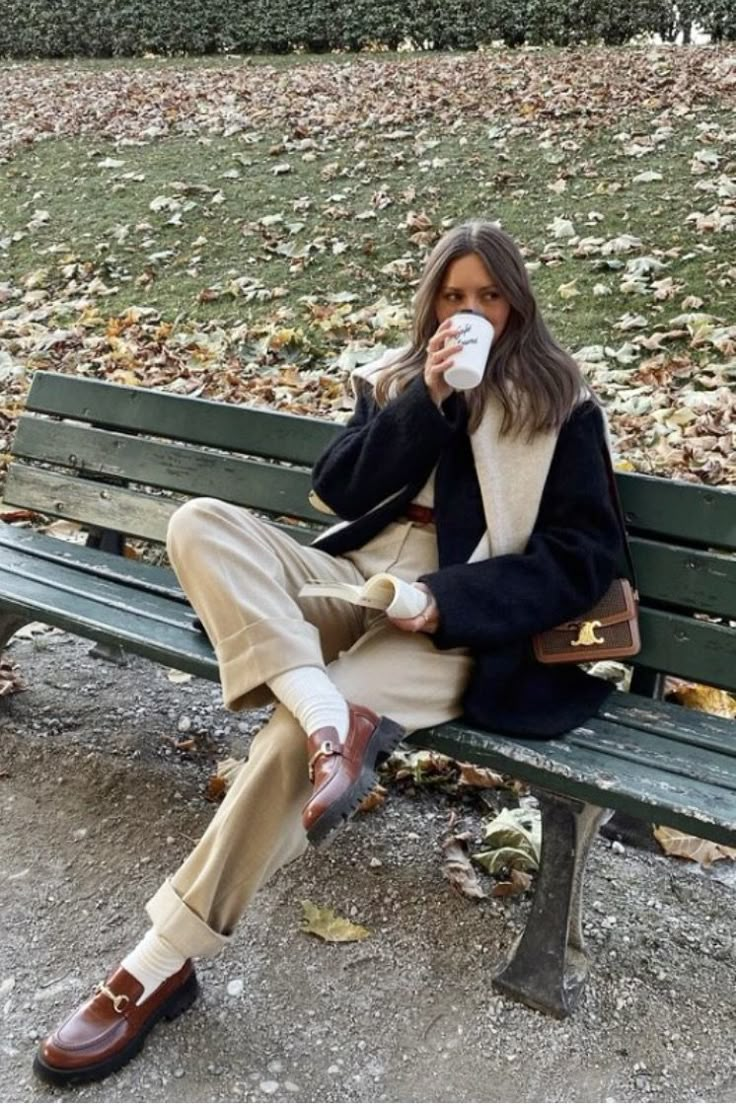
(372, 471)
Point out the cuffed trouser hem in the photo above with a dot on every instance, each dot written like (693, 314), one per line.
(180, 926)
(262, 650)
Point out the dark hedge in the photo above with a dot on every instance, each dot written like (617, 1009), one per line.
(89, 28)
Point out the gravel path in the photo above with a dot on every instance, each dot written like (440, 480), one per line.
(98, 806)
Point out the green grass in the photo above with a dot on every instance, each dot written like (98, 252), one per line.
(220, 61)
(158, 265)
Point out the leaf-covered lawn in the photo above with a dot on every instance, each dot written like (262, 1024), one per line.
(238, 229)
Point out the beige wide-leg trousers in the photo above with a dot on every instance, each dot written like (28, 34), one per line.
(242, 577)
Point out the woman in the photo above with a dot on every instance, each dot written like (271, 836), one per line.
(494, 502)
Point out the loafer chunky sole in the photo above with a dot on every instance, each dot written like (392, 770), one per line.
(381, 743)
(176, 1003)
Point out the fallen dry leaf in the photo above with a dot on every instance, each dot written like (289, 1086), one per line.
(216, 789)
(174, 676)
(516, 884)
(33, 630)
(372, 801)
(10, 681)
(473, 776)
(513, 839)
(676, 843)
(701, 697)
(457, 868)
(324, 923)
(222, 779)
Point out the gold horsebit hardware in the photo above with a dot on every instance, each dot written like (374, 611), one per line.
(586, 635)
(326, 749)
(118, 1001)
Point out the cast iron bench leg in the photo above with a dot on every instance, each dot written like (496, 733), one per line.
(589, 821)
(548, 966)
(9, 624)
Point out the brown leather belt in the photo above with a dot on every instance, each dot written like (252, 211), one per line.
(416, 513)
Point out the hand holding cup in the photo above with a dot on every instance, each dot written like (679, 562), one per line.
(457, 354)
(441, 349)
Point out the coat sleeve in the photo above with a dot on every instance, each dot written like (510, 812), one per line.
(573, 555)
(381, 451)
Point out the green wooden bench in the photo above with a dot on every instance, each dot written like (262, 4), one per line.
(119, 460)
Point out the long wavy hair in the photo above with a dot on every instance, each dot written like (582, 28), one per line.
(536, 381)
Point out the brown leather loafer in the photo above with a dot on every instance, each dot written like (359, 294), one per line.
(107, 1031)
(344, 773)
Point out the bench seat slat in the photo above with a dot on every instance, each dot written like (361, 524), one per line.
(184, 648)
(92, 562)
(177, 468)
(111, 594)
(594, 761)
(655, 751)
(706, 732)
(557, 766)
(266, 433)
(124, 570)
(696, 805)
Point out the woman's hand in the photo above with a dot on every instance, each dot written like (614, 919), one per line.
(427, 622)
(439, 359)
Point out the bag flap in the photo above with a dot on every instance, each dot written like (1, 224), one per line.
(627, 608)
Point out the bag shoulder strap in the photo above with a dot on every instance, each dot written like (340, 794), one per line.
(616, 498)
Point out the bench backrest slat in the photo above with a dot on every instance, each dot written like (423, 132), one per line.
(685, 511)
(688, 512)
(668, 573)
(84, 501)
(688, 647)
(688, 579)
(672, 643)
(135, 513)
(261, 433)
(187, 469)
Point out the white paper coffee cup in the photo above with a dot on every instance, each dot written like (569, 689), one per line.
(476, 337)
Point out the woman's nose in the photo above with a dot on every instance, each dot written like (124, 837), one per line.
(467, 303)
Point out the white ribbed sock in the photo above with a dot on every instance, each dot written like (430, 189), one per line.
(151, 962)
(313, 699)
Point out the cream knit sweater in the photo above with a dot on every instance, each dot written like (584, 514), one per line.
(511, 472)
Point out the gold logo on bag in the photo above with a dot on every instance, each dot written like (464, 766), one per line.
(586, 635)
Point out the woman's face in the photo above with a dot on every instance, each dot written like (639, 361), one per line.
(468, 285)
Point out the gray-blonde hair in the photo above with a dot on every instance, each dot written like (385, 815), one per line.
(536, 381)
